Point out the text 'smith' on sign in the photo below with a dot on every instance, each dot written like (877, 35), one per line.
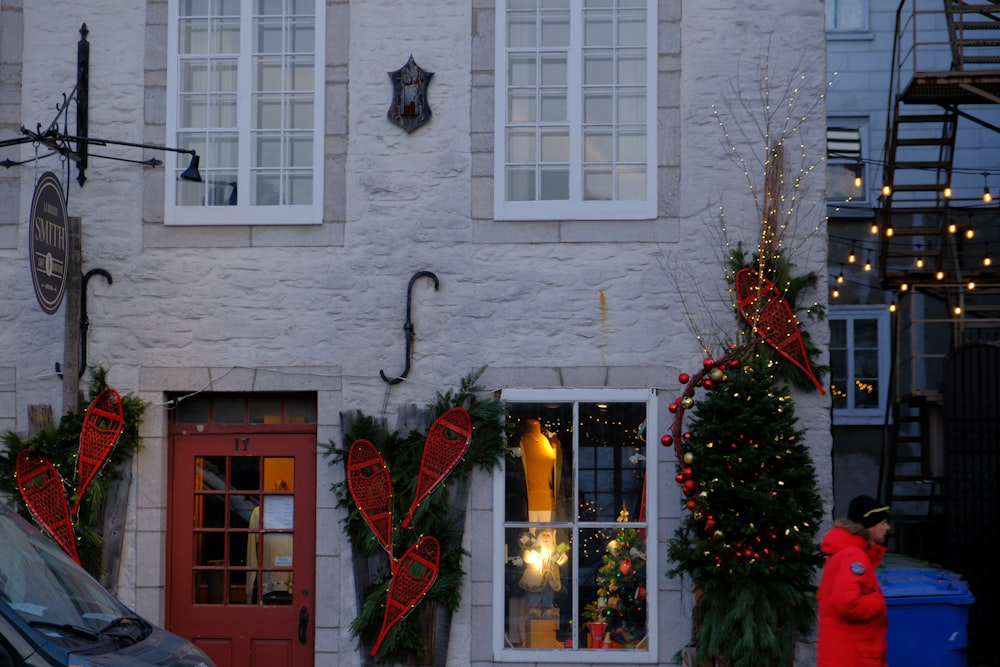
(48, 242)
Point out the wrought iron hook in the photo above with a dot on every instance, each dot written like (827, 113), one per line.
(408, 327)
(84, 318)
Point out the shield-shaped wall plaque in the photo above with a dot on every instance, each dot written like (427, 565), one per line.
(409, 108)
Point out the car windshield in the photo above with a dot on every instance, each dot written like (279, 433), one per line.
(45, 587)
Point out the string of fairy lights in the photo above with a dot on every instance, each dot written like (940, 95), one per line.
(859, 166)
(862, 256)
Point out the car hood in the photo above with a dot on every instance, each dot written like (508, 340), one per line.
(159, 648)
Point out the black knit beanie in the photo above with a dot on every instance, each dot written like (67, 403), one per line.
(867, 511)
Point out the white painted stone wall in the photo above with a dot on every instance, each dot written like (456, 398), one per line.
(322, 309)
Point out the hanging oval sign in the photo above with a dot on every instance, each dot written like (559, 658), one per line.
(48, 243)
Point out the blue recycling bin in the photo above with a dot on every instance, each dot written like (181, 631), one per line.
(928, 616)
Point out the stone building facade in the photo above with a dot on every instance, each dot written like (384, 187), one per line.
(315, 307)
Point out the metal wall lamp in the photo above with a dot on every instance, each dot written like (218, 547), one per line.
(64, 145)
(74, 147)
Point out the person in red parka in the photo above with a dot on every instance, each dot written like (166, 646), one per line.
(853, 618)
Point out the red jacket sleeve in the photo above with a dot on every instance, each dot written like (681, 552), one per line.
(854, 594)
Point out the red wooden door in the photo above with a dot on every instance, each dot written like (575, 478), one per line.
(241, 546)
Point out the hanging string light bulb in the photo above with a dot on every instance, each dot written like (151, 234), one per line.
(858, 171)
(868, 263)
(987, 197)
(852, 256)
(987, 259)
(840, 276)
(920, 262)
(947, 192)
(892, 306)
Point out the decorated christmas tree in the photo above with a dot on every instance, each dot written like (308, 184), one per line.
(621, 586)
(748, 533)
(748, 540)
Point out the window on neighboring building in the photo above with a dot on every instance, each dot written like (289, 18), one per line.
(859, 363)
(575, 120)
(846, 15)
(575, 527)
(245, 90)
(846, 174)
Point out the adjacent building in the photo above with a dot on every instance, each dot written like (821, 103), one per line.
(913, 131)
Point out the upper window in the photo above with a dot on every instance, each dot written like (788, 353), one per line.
(845, 161)
(573, 574)
(575, 110)
(245, 90)
(859, 363)
(846, 15)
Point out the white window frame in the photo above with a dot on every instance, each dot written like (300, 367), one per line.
(833, 14)
(876, 415)
(580, 655)
(174, 163)
(860, 124)
(575, 208)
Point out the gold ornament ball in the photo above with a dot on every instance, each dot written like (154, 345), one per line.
(687, 402)
(688, 458)
(717, 375)
(719, 535)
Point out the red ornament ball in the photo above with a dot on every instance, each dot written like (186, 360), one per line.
(625, 567)
(690, 503)
(672, 407)
(687, 473)
(684, 378)
(679, 478)
(667, 440)
(708, 363)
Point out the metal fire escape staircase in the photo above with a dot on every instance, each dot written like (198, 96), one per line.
(946, 69)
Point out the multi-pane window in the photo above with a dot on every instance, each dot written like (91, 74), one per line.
(859, 363)
(245, 91)
(573, 574)
(846, 15)
(575, 109)
(845, 162)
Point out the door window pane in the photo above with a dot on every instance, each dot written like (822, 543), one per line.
(244, 518)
